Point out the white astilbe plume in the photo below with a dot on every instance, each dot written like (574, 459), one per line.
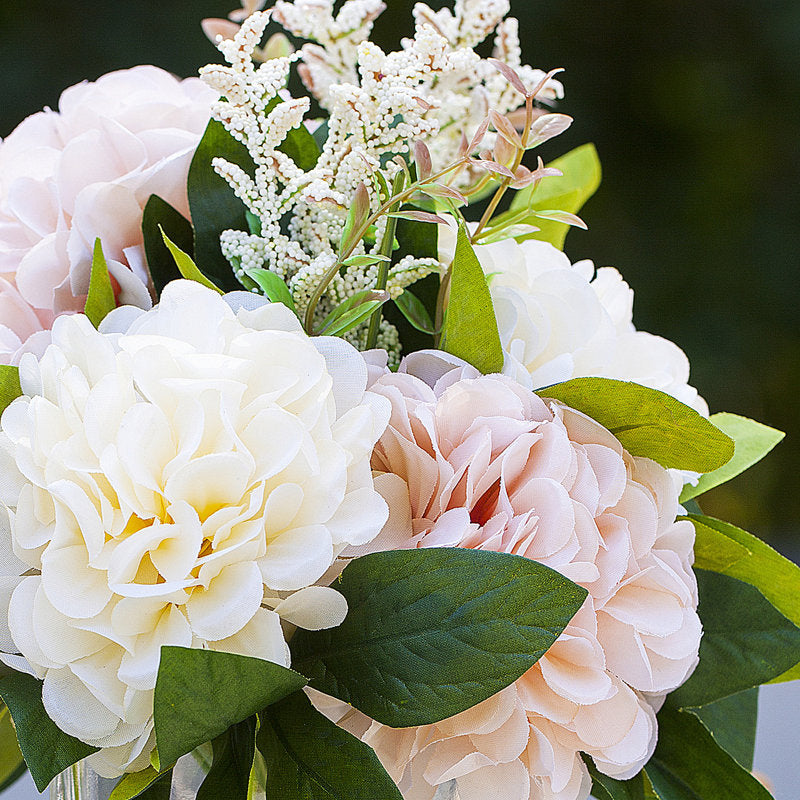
(332, 54)
(459, 98)
(369, 121)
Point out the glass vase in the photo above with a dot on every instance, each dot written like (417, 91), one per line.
(81, 782)
(447, 791)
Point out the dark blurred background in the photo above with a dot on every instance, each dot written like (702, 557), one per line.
(694, 110)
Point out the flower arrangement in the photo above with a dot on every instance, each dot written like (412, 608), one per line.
(325, 469)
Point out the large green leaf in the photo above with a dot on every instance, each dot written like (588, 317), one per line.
(229, 777)
(310, 758)
(582, 175)
(213, 205)
(100, 300)
(432, 632)
(647, 422)
(10, 389)
(201, 693)
(47, 749)
(746, 641)
(722, 547)
(12, 765)
(160, 215)
(470, 326)
(689, 765)
(752, 440)
(732, 723)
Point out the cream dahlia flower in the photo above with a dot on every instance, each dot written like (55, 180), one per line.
(85, 171)
(559, 320)
(482, 462)
(184, 476)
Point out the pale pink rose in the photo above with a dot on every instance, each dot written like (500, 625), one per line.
(87, 170)
(481, 462)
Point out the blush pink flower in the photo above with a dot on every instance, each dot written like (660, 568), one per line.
(481, 462)
(86, 171)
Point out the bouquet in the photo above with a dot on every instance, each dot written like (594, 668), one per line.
(326, 473)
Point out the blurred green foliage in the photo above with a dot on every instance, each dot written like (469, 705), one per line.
(694, 110)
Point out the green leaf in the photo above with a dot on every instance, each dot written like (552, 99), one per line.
(416, 215)
(309, 757)
(692, 506)
(421, 241)
(722, 547)
(713, 549)
(746, 641)
(213, 205)
(606, 788)
(160, 215)
(159, 789)
(229, 776)
(47, 749)
(442, 191)
(470, 326)
(273, 286)
(365, 260)
(689, 765)
(301, 147)
(100, 300)
(201, 693)
(647, 422)
(581, 178)
(12, 765)
(10, 389)
(351, 312)
(413, 309)
(357, 215)
(732, 723)
(186, 265)
(320, 134)
(557, 215)
(350, 319)
(134, 784)
(752, 442)
(432, 632)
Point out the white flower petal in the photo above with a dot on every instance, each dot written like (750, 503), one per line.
(313, 608)
(297, 558)
(262, 637)
(228, 604)
(75, 710)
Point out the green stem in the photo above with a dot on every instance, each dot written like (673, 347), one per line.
(498, 195)
(334, 268)
(387, 246)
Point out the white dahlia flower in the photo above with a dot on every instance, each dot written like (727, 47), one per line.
(87, 170)
(184, 476)
(482, 462)
(559, 320)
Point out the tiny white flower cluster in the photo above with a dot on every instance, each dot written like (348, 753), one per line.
(435, 89)
(370, 120)
(459, 98)
(332, 60)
